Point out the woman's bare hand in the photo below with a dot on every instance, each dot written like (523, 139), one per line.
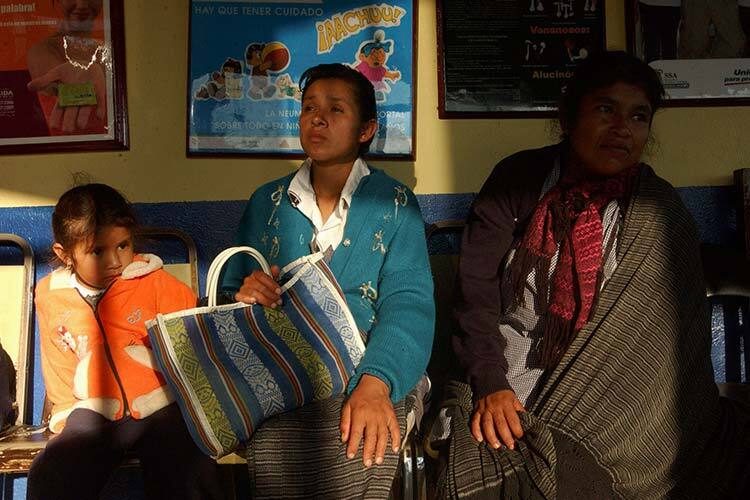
(368, 413)
(497, 415)
(260, 288)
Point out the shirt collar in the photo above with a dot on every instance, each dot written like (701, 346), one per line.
(359, 171)
(300, 187)
(86, 291)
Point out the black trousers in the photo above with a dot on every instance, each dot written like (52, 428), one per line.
(78, 462)
(659, 25)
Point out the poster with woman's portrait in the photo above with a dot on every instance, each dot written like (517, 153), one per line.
(247, 56)
(701, 48)
(61, 75)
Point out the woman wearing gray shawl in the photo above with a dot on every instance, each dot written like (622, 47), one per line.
(583, 331)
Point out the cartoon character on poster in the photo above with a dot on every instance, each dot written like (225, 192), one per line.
(225, 83)
(287, 89)
(373, 55)
(262, 59)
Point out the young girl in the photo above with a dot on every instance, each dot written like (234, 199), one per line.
(107, 397)
(370, 228)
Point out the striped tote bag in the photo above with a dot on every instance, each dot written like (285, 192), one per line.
(232, 366)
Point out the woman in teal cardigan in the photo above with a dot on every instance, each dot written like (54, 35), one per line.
(371, 230)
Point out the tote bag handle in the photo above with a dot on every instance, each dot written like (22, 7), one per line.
(214, 270)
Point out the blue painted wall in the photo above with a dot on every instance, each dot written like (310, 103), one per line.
(212, 225)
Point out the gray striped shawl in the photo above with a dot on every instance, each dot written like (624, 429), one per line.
(635, 390)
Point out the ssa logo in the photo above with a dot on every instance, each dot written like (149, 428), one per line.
(670, 80)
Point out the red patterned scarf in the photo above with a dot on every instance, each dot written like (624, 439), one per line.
(569, 216)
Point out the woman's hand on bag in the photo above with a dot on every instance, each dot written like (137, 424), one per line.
(497, 415)
(368, 413)
(260, 288)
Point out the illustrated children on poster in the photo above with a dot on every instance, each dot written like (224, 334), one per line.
(262, 59)
(225, 83)
(372, 55)
(287, 89)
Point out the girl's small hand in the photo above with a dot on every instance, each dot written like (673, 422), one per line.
(260, 288)
(368, 413)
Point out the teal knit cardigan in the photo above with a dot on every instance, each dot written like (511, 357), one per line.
(381, 265)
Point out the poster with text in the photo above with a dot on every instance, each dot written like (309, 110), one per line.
(247, 56)
(511, 57)
(61, 76)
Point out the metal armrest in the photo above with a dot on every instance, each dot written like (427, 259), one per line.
(413, 481)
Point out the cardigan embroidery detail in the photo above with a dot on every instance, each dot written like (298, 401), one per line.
(400, 199)
(377, 243)
(275, 245)
(276, 200)
(368, 292)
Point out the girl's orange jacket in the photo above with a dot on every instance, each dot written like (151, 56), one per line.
(100, 358)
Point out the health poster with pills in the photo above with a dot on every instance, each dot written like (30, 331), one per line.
(59, 82)
(246, 58)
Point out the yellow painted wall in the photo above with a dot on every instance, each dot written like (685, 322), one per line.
(695, 146)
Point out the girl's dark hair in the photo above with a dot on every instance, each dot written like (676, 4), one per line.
(601, 70)
(364, 93)
(84, 210)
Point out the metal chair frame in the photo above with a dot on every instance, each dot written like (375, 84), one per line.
(26, 334)
(20, 358)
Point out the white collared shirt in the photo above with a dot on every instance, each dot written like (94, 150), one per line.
(92, 295)
(331, 232)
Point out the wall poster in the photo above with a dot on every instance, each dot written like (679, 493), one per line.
(701, 48)
(246, 58)
(62, 76)
(506, 58)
